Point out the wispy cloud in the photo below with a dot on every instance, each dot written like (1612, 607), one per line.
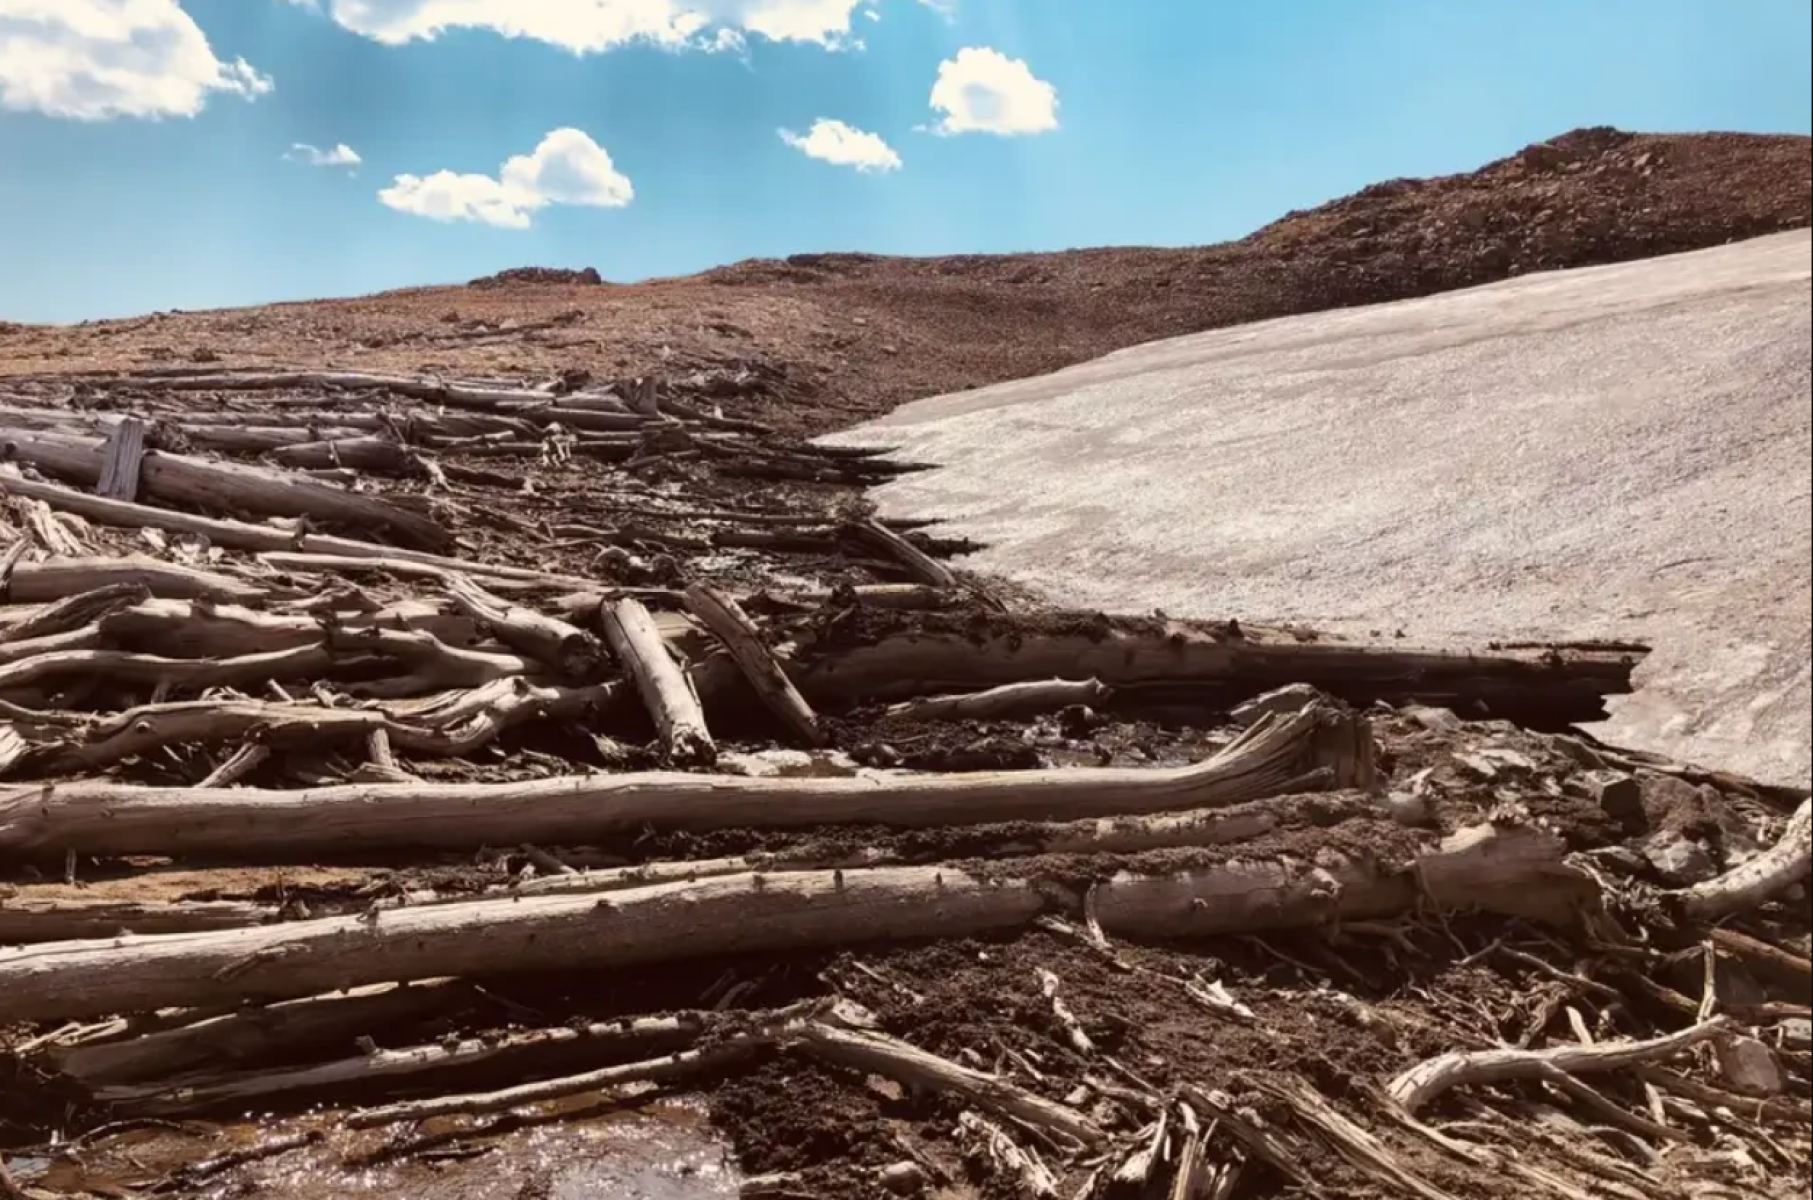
(843, 145)
(593, 26)
(93, 60)
(341, 155)
(984, 91)
(567, 167)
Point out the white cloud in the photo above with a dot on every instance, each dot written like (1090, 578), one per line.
(568, 167)
(96, 59)
(593, 26)
(843, 145)
(984, 91)
(341, 155)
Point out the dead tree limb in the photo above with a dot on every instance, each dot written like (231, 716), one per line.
(57, 579)
(24, 920)
(105, 818)
(571, 652)
(1418, 1087)
(1010, 699)
(1744, 887)
(727, 621)
(666, 691)
(76, 611)
(920, 565)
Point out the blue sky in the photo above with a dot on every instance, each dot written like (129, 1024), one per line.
(149, 148)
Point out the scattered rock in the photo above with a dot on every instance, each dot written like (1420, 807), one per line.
(1436, 720)
(1678, 859)
(1749, 1066)
(903, 1179)
(540, 276)
(1615, 792)
(1407, 809)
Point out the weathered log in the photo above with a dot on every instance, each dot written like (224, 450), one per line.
(121, 457)
(666, 691)
(178, 629)
(279, 726)
(25, 920)
(1416, 1088)
(242, 535)
(75, 611)
(442, 1062)
(105, 818)
(315, 1025)
(367, 452)
(1744, 887)
(751, 913)
(234, 487)
(571, 652)
(732, 626)
(1010, 699)
(59, 578)
(921, 566)
(1151, 663)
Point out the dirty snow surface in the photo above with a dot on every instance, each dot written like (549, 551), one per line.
(1614, 452)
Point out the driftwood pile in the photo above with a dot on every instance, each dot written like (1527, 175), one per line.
(514, 661)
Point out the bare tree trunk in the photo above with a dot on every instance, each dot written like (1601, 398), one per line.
(572, 653)
(121, 456)
(665, 689)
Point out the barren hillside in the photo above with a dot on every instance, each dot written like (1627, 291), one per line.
(836, 337)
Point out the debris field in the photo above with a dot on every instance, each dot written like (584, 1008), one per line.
(393, 765)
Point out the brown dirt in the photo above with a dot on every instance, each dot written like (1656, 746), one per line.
(829, 339)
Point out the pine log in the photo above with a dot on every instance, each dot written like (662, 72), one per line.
(107, 818)
(740, 914)
(121, 457)
(59, 578)
(725, 618)
(308, 1027)
(571, 652)
(1198, 664)
(25, 920)
(242, 535)
(666, 691)
(234, 487)
(437, 1065)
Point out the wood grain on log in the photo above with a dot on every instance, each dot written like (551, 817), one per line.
(1744, 887)
(121, 457)
(105, 818)
(571, 652)
(725, 618)
(1010, 699)
(666, 691)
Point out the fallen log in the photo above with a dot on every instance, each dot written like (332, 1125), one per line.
(1150, 663)
(106, 818)
(731, 625)
(314, 1025)
(242, 535)
(361, 452)
(1010, 699)
(57, 579)
(572, 653)
(25, 920)
(753, 913)
(666, 691)
(876, 537)
(74, 611)
(233, 487)
(511, 1053)
(178, 629)
(1775, 869)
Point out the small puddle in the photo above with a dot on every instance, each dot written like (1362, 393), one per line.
(658, 1152)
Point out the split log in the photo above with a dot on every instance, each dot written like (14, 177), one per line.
(665, 689)
(315, 1025)
(1775, 869)
(234, 487)
(732, 626)
(121, 457)
(925, 569)
(25, 920)
(1011, 699)
(513, 1053)
(106, 818)
(242, 535)
(59, 578)
(571, 652)
(1198, 665)
(752, 913)
(1418, 1087)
